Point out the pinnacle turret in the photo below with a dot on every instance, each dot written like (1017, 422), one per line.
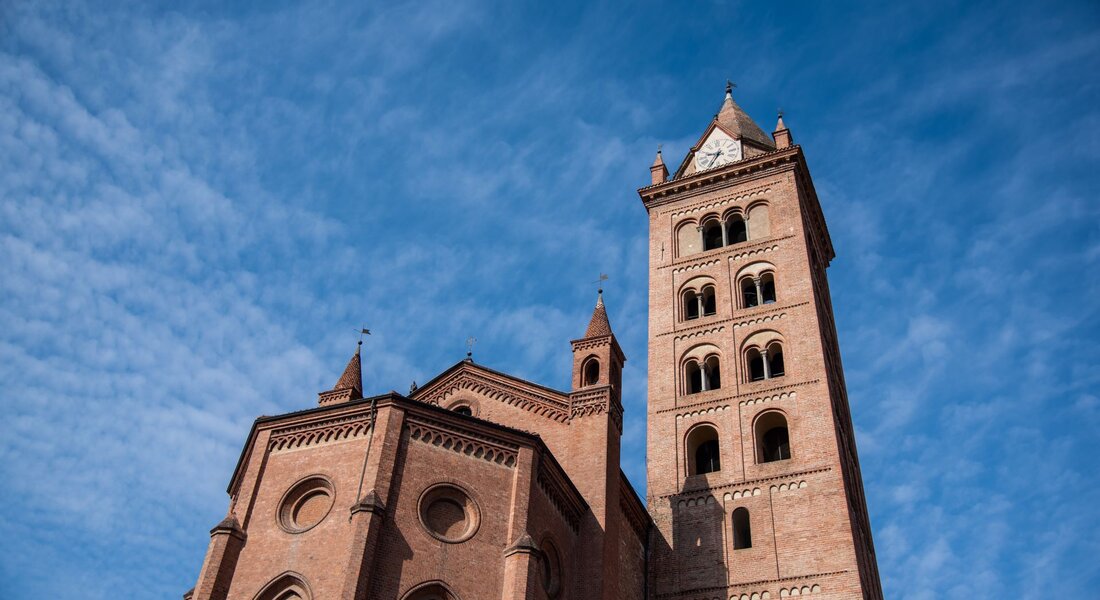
(599, 325)
(350, 384)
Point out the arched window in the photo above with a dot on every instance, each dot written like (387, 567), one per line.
(713, 236)
(756, 365)
(591, 372)
(694, 374)
(749, 297)
(772, 438)
(775, 360)
(703, 450)
(691, 305)
(288, 586)
(736, 231)
(706, 458)
(431, 591)
(713, 379)
(464, 410)
(767, 288)
(759, 223)
(765, 364)
(687, 238)
(742, 532)
(710, 304)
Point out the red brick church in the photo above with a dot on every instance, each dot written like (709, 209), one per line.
(480, 485)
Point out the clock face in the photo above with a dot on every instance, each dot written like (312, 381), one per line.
(717, 152)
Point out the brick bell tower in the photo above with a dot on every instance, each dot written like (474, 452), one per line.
(753, 477)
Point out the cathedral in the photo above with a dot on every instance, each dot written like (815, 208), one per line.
(479, 485)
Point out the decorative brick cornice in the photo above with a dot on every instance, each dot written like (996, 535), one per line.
(755, 317)
(596, 400)
(541, 404)
(632, 509)
(771, 393)
(693, 265)
(704, 411)
(730, 253)
(590, 343)
(751, 252)
(744, 591)
(661, 193)
(699, 333)
(770, 398)
(700, 495)
(450, 437)
(553, 482)
(722, 202)
(320, 432)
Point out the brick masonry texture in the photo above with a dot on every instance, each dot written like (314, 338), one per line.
(522, 483)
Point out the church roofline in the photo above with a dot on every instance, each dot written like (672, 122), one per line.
(560, 395)
(393, 398)
(632, 499)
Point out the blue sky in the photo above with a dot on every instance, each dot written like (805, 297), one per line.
(199, 204)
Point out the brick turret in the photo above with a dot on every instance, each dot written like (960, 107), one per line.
(349, 386)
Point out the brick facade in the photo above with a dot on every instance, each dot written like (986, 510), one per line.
(481, 485)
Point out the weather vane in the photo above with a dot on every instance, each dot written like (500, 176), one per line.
(599, 282)
(363, 331)
(470, 341)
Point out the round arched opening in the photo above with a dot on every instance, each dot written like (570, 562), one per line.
(772, 437)
(703, 450)
(591, 372)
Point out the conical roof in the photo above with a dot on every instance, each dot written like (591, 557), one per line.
(599, 325)
(738, 123)
(658, 161)
(353, 375)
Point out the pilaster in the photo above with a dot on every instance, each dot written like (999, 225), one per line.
(368, 514)
(226, 541)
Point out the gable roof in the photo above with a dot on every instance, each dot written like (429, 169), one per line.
(467, 374)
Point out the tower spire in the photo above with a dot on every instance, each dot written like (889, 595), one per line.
(781, 134)
(736, 122)
(350, 384)
(658, 171)
(598, 325)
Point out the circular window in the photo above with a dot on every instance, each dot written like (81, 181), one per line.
(551, 568)
(306, 504)
(448, 513)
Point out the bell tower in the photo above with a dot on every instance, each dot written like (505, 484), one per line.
(753, 477)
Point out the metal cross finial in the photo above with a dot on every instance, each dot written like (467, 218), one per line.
(470, 341)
